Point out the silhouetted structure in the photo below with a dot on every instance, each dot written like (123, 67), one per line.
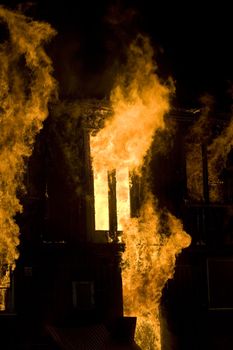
(67, 277)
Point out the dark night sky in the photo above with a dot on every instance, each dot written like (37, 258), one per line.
(192, 44)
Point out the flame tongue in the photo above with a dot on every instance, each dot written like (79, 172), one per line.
(139, 102)
(148, 262)
(25, 90)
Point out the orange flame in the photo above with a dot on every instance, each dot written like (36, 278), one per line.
(148, 262)
(139, 102)
(25, 90)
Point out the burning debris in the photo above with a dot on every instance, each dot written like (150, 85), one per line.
(26, 86)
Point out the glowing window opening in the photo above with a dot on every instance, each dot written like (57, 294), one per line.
(101, 203)
(111, 199)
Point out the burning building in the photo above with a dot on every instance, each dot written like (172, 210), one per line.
(69, 272)
(108, 188)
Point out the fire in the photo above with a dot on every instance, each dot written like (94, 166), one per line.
(26, 85)
(123, 197)
(139, 102)
(101, 192)
(149, 261)
(138, 93)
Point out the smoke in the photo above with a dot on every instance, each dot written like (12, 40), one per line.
(93, 44)
(26, 86)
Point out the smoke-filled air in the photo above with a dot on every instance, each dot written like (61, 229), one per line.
(26, 85)
(139, 102)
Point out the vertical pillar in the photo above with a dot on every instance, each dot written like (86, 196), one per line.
(89, 198)
(205, 174)
(112, 204)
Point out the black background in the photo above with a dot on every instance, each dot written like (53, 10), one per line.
(192, 44)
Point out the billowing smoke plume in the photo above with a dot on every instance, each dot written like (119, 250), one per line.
(139, 102)
(26, 85)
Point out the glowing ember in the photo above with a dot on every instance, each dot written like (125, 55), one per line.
(139, 102)
(25, 88)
